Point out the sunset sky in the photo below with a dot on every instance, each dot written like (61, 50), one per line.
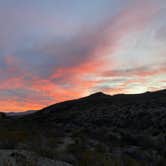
(56, 50)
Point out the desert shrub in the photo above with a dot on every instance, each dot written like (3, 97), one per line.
(91, 157)
(17, 135)
(23, 160)
(54, 141)
(7, 163)
(32, 162)
(10, 139)
(74, 148)
(128, 161)
(101, 148)
(79, 133)
(47, 153)
(161, 161)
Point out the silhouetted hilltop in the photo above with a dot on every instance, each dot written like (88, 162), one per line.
(148, 99)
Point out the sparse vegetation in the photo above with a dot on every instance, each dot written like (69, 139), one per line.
(98, 130)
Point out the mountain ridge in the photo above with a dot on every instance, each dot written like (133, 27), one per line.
(108, 97)
(96, 130)
(94, 95)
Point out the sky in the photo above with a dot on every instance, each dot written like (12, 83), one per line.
(57, 50)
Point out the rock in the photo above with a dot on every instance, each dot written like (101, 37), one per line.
(22, 158)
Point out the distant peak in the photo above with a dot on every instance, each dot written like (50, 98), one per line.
(98, 94)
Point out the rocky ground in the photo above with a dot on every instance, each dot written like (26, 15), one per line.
(25, 158)
(98, 130)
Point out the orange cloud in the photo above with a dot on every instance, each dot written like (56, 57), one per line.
(14, 105)
(79, 78)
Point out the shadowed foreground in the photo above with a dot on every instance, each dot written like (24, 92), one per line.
(98, 130)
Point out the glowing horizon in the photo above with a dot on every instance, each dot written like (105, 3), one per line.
(52, 51)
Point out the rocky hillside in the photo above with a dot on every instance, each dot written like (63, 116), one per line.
(95, 130)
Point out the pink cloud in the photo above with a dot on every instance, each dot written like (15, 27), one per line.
(68, 82)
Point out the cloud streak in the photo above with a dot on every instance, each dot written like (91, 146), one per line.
(74, 61)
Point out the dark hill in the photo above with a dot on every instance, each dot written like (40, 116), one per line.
(137, 112)
(101, 98)
(95, 130)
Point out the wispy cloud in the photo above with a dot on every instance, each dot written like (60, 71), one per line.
(52, 59)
